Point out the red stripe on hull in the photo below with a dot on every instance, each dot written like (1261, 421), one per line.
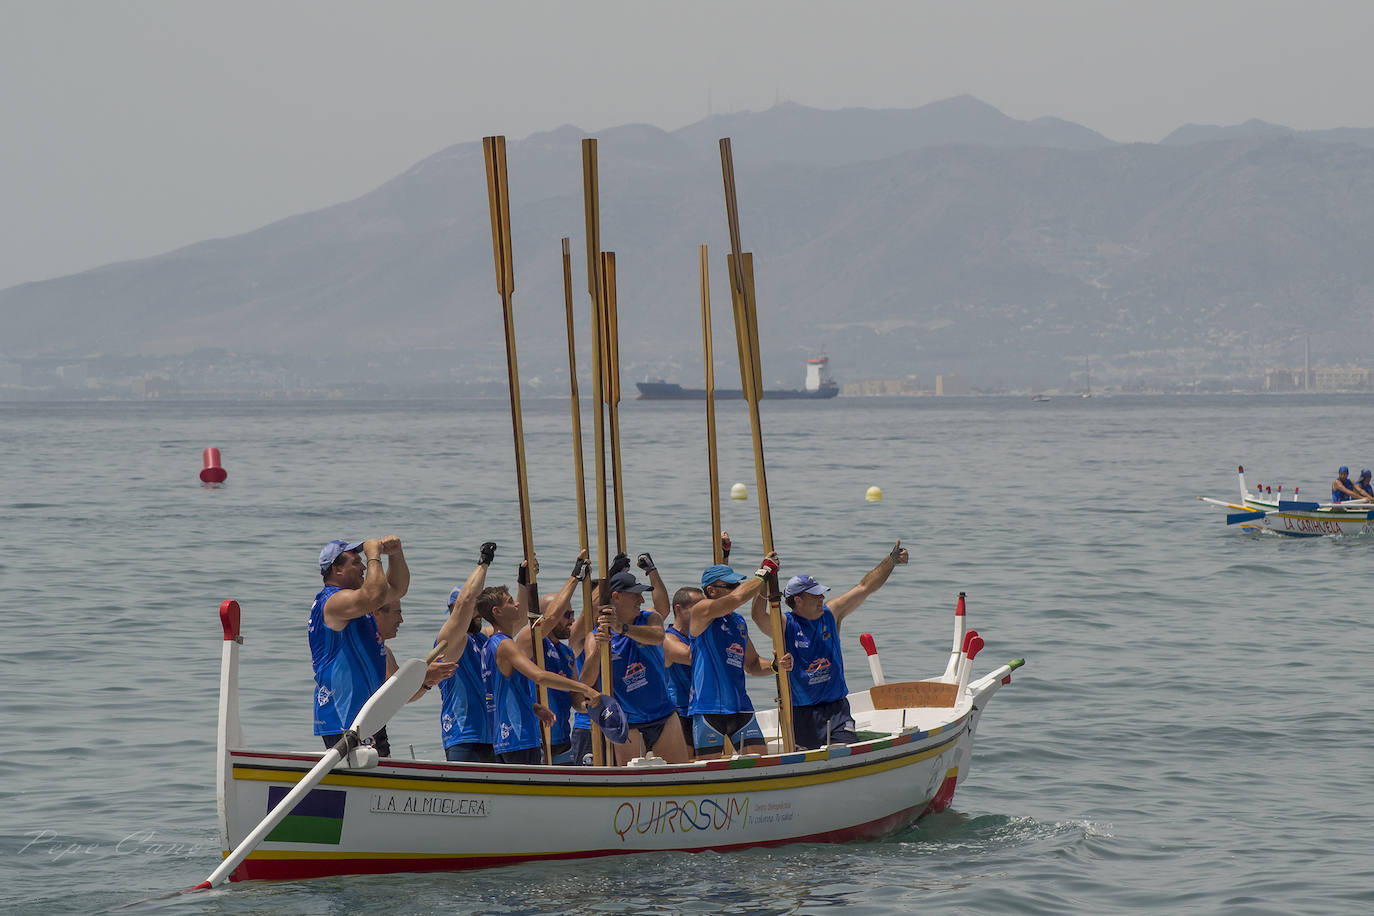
(943, 798)
(292, 869)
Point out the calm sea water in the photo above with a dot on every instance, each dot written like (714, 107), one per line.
(1192, 731)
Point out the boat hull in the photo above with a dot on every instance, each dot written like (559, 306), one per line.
(1309, 524)
(423, 816)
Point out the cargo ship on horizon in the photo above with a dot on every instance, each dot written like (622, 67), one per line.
(819, 386)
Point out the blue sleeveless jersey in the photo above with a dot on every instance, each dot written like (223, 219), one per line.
(817, 674)
(558, 658)
(350, 664)
(464, 718)
(514, 726)
(718, 667)
(641, 686)
(1337, 496)
(680, 676)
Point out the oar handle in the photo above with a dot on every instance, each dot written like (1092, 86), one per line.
(437, 651)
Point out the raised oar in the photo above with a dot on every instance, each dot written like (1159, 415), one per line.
(394, 693)
(717, 549)
(498, 197)
(611, 327)
(747, 340)
(610, 390)
(588, 612)
(592, 213)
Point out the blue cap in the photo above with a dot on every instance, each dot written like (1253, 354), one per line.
(626, 582)
(1342, 470)
(453, 595)
(798, 584)
(610, 718)
(720, 574)
(331, 552)
(1366, 473)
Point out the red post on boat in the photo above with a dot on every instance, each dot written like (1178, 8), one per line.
(212, 472)
(875, 666)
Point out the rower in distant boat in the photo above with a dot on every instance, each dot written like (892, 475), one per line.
(1342, 488)
(1365, 484)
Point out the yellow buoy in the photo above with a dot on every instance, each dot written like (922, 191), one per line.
(739, 491)
(874, 495)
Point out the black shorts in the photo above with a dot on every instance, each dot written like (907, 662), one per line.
(812, 725)
(653, 731)
(529, 756)
(379, 741)
(581, 747)
(472, 752)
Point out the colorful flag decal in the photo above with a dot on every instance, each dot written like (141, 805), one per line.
(317, 818)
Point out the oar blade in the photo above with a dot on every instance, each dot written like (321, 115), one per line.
(390, 697)
(1235, 518)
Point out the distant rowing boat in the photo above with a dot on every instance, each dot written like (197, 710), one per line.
(1294, 517)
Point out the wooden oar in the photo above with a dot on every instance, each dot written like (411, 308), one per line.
(394, 693)
(592, 214)
(588, 612)
(751, 378)
(611, 330)
(717, 549)
(498, 197)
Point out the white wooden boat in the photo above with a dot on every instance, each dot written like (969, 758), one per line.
(1295, 517)
(370, 816)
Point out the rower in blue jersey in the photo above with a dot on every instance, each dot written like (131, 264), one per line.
(722, 654)
(1343, 488)
(559, 626)
(347, 642)
(638, 679)
(510, 674)
(465, 720)
(677, 654)
(820, 696)
(1365, 485)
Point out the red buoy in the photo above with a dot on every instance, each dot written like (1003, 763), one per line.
(212, 472)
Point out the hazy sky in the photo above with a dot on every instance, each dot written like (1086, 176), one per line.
(131, 128)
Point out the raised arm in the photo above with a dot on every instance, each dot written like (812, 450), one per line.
(758, 612)
(397, 572)
(661, 605)
(561, 600)
(849, 602)
(350, 603)
(455, 628)
(708, 609)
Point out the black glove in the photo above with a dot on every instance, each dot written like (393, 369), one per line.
(486, 553)
(619, 564)
(645, 562)
(580, 568)
(522, 575)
